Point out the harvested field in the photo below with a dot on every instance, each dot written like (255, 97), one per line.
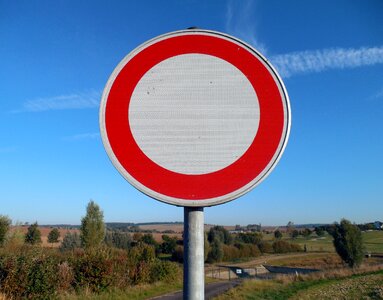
(44, 234)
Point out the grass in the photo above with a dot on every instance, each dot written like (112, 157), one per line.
(308, 260)
(138, 292)
(373, 241)
(356, 286)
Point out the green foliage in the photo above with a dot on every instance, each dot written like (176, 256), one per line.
(281, 246)
(118, 239)
(168, 245)
(348, 243)
(249, 238)
(71, 241)
(206, 246)
(306, 232)
(294, 234)
(148, 239)
(216, 252)
(33, 235)
(164, 271)
(265, 247)
(178, 254)
(277, 234)
(92, 226)
(221, 234)
(319, 231)
(5, 223)
(93, 269)
(28, 274)
(38, 273)
(53, 236)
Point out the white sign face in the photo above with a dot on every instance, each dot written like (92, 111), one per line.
(194, 118)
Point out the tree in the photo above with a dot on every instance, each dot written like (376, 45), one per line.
(33, 235)
(118, 239)
(277, 234)
(216, 252)
(290, 227)
(306, 232)
(319, 231)
(221, 234)
(348, 243)
(5, 223)
(71, 241)
(294, 234)
(148, 239)
(169, 244)
(53, 236)
(92, 226)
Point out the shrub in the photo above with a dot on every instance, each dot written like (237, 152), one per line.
(5, 222)
(53, 236)
(92, 269)
(348, 243)
(178, 254)
(266, 247)
(29, 273)
(281, 246)
(216, 252)
(117, 239)
(33, 235)
(164, 271)
(71, 241)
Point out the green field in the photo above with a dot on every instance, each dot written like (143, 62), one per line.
(373, 242)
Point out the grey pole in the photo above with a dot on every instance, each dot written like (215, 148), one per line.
(194, 273)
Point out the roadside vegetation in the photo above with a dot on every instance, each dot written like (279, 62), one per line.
(365, 283)
(97, 262)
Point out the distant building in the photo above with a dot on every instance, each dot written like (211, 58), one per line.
(378, 225)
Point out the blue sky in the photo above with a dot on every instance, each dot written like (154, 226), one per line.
(56, 57)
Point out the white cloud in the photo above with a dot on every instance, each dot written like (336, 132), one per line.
(83, 136)
(89, 99)
(240, 22)
(321, 60)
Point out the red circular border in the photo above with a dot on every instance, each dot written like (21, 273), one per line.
(204, 186)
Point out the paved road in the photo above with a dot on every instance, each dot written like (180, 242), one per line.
(211, 290)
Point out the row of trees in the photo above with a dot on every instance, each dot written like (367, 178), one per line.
(219, 243)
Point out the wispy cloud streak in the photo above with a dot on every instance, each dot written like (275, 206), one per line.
(240, 22)
(321, 60)
(83, 136)
(89, 99)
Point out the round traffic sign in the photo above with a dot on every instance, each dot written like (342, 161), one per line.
(194, 118)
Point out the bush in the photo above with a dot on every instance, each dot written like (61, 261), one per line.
(92, 269)
(53, 236)
(33, 235)
(348, 243)
(266, 247)
(178, 254)
(29, 273)
(164, 271)
(216, 252)
(281, 246)
(38, 273)
(71, 241)
(5, 222)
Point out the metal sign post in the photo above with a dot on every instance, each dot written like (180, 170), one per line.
(194, 118)
(194, 273)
